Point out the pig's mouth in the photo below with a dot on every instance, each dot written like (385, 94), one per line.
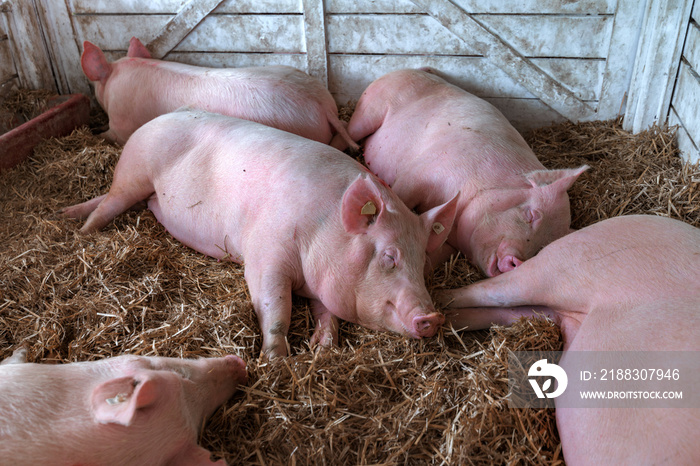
(492, 268)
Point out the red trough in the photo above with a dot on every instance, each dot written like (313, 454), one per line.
(66, 113)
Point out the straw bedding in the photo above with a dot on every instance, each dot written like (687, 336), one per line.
(377, 398)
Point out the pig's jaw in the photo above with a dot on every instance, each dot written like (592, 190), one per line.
(491, 268)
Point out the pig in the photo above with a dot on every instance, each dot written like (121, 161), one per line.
(628, 283)
(303, 216)
(137, 88)
(429, 139)
(124, 410)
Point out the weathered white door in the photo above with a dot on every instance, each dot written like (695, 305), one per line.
(539, 61)
(661, 66)
(685, 102)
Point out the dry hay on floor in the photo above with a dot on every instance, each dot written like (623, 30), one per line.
(25, 103)
(20, 106)
(377, 398)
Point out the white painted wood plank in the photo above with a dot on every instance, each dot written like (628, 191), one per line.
(688, 147)
(228, 60)
(187, 18)
(691, 52)
(620, 59)
(686, 101)
(173, 6)
(395, 34)
(247, 33)
(63, 48)
(114, 32)
(7, 66)
(510, 60)
(32, 60)
(351, 74)
(315, 40)
(557, 7)
(583, 7)
(555, 36)
(217, 33)
(696, 12)
(526, 114)
(371, 6)
(656, 66)
(583, 77)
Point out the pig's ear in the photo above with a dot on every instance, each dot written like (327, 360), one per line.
(362, 204)
(137, 49)
(560, 179)
(117, 400)
(438, 221)
(94, 63)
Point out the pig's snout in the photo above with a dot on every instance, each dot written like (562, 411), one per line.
(508, 263)
(427, 325)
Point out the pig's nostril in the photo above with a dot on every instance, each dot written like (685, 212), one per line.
(509, 263)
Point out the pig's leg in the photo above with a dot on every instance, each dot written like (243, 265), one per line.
(326, 332)
(83, 210)
(110, 136)
(519, 287)
(112, 205)
(341, 140)
(367, 117)
(271, 293)
(131, 186)
(481, 318)
(500, 300)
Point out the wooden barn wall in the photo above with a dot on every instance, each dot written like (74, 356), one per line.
(23, 52)
(685, 105)
(539, 61)
(364, 39)
(8, 73)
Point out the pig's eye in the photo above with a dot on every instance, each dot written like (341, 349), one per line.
(388, 260)
(533, 216)
(182, 371)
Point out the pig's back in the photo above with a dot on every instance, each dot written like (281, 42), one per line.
(436, 138)
(238, 180)
(279, 96)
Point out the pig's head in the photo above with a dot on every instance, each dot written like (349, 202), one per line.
(387, 254)
(150, 388)
(501, 228)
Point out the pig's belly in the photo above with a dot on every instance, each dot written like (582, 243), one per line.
(211, 231)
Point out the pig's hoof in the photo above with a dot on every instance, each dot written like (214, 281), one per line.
(323, 337)
(273, 352)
